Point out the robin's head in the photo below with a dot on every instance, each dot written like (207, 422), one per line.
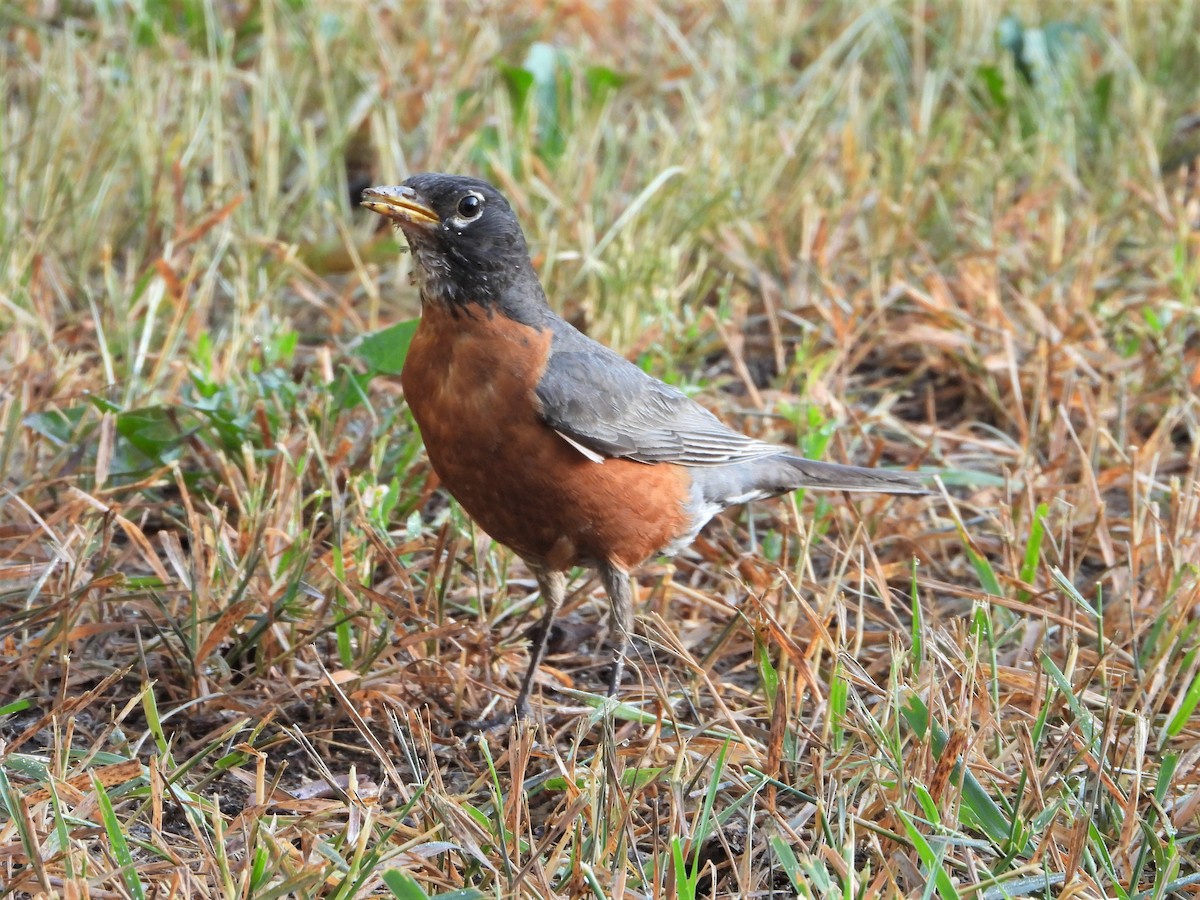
(465, 238)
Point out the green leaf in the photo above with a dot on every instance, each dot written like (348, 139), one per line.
(976, 801)
(385, 351)
(983, 569)
(705, 821)
(1184, 714)
(519, 82)
(403, 886)
(154, 431)
(1166, 774)
(766, 671)
(1033, 548)
(1060, 578)
(928, 805)
(1100, 850)
(62, 831)
(16, 706)
(839, 702)
(57, 425)
(636, 779)
(816, 434)
(154, 722)
(116, 839)
(350, 389)
(685, 882)
(1101, 97)
(600, 80)
(992, 80)
(283, 347)
(931, 858)
(1089, 727)
(478, 815)
(789, 863)
(1154, 320)
(631, 779)
(918, 624)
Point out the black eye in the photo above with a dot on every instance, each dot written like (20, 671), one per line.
(470, 206)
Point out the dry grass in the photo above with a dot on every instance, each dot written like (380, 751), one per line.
(238, 624)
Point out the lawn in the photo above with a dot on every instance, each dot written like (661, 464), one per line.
(240, 625)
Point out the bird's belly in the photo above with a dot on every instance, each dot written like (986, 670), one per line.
(471, 391)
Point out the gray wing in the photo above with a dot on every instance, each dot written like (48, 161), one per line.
(608, 407)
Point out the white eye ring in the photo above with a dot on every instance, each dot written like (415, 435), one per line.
(470, 208)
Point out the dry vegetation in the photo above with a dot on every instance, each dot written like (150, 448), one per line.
(238, 622)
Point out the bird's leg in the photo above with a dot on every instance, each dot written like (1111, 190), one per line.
(553, 588)
(620, 597)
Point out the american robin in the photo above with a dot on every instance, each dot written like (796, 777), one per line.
(558, 447)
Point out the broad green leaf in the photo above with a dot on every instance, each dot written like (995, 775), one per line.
(385, 350)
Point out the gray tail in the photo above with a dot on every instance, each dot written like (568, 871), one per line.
(808, 473)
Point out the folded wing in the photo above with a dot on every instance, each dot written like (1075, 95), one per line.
(606, 406)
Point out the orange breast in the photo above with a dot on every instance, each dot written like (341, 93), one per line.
(469, 380)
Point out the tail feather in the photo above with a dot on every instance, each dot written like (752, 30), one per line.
(808, 473)
(718, 487)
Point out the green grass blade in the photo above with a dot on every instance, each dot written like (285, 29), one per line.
(403, 886)
(932, 859)
(983, 809)
(789, 863)
(1033, 547)
(114, 829)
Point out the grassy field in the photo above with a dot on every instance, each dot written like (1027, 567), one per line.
(239, 622)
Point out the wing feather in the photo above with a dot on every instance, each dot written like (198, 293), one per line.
(603, 404)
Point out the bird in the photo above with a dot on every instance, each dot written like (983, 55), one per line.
(557, 446)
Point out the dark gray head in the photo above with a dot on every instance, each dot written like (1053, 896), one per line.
(466, 240)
